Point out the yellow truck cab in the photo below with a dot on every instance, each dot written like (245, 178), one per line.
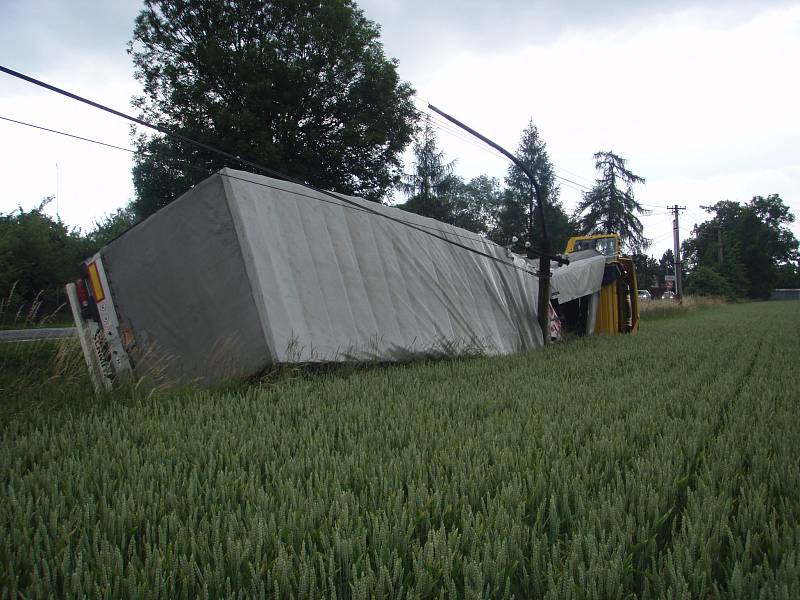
(618, 311)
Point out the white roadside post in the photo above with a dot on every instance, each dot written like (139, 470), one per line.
(86, 335)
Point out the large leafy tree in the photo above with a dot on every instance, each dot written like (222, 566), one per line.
(431, 182)
(302, 87)
(788, 276)
(514, 218)
(708, 281)
(475, 204)
(610, 206)
(647, 269)
(757, 245)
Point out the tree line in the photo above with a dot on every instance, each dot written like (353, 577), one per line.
(305, 88)
(502, 211)
(743, 250)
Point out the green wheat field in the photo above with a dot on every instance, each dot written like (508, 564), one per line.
(661, 465)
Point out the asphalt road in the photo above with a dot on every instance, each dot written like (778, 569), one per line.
(28, 335)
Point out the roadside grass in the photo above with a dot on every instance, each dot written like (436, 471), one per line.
(41, 374)
(52, 373)
(661, 309)
(17, 314)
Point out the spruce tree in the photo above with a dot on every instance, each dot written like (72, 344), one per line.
(515, 213)
(431, 182)
(610, 206)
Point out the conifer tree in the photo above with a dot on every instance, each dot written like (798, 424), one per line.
(515, 214)
(430, 184)
(610, 206)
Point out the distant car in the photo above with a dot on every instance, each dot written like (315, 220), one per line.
(644, 295)
(668, 295)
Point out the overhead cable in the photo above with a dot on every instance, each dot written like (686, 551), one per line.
(77, 137)
(263, 169)
(209, 172)
(446, 127)
(574, 174)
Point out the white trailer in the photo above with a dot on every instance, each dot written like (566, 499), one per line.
(245, 271)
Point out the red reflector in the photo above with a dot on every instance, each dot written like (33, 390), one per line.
(83, 295)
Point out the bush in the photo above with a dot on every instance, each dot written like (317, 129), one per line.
(38, 254)
(707, 281)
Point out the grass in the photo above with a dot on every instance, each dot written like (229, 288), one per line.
(61, 317)
(16, 314)
(665, 464)
(42, 373)
(659, 309)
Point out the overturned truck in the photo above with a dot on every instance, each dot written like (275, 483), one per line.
(243, 272)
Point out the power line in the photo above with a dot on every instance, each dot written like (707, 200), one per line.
(574, 184)
(572, 187)
(579, 187)
(209, 172)
(107, 145)
(347, 202)
(574, 174)
(238, 159)
(442, 126)
(661, 237)
(251, 164)
(447, 128)
(77, 137)
(692, 212)
(696, 215)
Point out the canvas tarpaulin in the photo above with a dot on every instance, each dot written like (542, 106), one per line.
(244, 271)
(581, 277)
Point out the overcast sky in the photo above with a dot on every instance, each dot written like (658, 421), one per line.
(701, 97)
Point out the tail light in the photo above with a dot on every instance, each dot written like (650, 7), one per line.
(83, 295)
(84, 299)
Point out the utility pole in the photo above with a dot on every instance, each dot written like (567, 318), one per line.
(720, 255)
(676, 236)
(543, 249)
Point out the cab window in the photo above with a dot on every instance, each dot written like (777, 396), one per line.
(605, 246)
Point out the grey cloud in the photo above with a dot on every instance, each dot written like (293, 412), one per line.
(415, 30)
(43, 35)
